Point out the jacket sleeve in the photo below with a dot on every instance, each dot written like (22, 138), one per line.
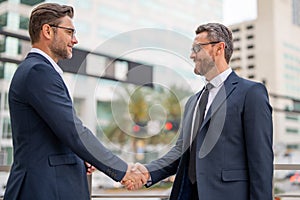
(258, 130)
(48, 95)
(168, 164)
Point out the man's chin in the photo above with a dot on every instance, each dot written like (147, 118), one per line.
(196, 71)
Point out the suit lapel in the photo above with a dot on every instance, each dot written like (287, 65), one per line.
(214, 121)
(188, 120)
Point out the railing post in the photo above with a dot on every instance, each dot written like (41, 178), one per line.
(89, 179)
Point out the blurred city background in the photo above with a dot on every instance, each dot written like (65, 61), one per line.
(131, 75)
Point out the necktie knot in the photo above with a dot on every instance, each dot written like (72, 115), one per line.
(209, 86)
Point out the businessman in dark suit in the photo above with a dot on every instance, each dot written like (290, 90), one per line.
(50, 142)
(233, 143)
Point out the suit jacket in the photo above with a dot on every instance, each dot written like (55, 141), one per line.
(50, 142)
(234, 146)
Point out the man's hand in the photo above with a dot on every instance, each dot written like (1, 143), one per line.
(89, 168)
(136, 177)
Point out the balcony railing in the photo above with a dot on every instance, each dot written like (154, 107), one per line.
(166, 196)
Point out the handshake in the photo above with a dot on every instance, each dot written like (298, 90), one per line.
(136, 176)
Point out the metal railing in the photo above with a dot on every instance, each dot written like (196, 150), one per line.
(166, 196)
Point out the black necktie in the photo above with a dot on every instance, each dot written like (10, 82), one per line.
(197, 123)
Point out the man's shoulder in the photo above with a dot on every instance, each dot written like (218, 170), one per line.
(34, 60)
(248, 82)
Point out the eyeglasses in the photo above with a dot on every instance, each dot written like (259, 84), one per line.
(71, 31)
(197, 47)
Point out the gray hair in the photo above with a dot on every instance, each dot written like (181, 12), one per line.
(218, 32)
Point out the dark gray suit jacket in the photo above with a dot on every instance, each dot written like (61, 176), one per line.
(50, 142)
(234, 147)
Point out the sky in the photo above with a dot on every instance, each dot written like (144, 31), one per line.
(236, 11)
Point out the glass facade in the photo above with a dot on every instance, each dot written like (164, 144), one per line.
(31, 2)
(0, 102)
(291, 66)
(3, 20)
(8, 70)
(2, 44)
(1, 70)
(6, 129)
(6, 107)
(24, 21)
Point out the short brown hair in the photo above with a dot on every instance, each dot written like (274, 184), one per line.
(44, 14)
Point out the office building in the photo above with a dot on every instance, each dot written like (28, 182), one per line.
(156, 33)
(267, 50)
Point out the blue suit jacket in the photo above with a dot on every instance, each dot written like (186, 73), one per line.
(234, 148)
(50, 142)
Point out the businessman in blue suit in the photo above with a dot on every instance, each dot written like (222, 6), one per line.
(233, 143)
(50, 142)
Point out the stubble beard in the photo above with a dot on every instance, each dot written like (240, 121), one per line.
(59, 50)
(205, 66)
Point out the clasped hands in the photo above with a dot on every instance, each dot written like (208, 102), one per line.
(136, 176)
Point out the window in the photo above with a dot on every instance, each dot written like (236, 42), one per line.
(291, 117)
(235, 30)
(2, 44)
(24, 21)
(250, 37)
(251, 46)
(250, 56)
(31, 2)
(1, 70)
(3, 20)
(0, 101)
(235, 59)
(250, 66)
(121, 70)
(296, 12)
(250, 27)
(9, 70)
(2, 1)
(6, 129)
(291, 130)
(251, 76)
(77, 104)
(296, 106)
(236, 39)
(6, 101)
(292, 146)
(6, 156)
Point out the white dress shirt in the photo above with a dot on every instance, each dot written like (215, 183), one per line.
(217, 82)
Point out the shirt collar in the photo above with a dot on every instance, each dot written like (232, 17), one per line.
(53, 63)
(220, 78)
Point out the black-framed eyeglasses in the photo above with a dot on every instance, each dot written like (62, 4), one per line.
(71, 31)
(197, 47)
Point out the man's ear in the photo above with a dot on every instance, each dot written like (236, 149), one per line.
(220, 48)
(46, 31)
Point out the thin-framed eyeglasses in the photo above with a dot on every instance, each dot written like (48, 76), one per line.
(71, 31)
(197, 47)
